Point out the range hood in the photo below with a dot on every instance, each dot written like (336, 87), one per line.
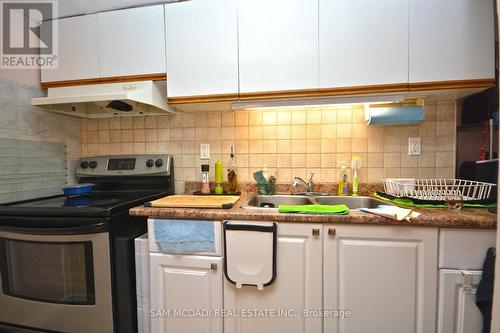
(108, 100)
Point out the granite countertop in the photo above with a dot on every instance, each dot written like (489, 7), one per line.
(466, 218)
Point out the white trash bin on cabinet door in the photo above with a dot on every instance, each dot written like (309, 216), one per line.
(250, 253)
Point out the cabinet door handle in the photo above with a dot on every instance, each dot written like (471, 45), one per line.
(332, 231)
(315, 232)
(213, 266)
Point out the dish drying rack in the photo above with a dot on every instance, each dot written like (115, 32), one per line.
(437, 189)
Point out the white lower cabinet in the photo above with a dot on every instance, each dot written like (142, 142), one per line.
(298, 286)
(181, 285)
(462, 253)
(458, 312)
(379, 279)
(385, 276)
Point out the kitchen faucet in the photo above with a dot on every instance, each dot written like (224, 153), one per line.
(309, 184)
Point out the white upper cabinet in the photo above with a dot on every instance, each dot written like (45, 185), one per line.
(278, 45)
(132, 41)
(451, 40)
(362, 42)
(78, 54)
(202, 47)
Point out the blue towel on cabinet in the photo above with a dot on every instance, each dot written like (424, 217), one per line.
(184, 236)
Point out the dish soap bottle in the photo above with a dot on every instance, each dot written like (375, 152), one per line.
(343, 187)
(232, 175)
(356, 165)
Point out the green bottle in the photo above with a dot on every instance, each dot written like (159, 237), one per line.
(218, 178)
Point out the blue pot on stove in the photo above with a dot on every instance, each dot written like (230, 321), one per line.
(79, 189)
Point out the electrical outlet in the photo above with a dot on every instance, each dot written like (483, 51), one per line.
(414, 146)
(204, 151)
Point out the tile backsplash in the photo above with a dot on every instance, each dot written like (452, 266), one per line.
(21, 120)
(288, 143)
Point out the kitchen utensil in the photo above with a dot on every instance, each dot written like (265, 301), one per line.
(259, 177)
(195, 201)
(437, 189)
(271, 185)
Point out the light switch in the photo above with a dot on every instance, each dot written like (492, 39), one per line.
(204, 151)
(414, 146)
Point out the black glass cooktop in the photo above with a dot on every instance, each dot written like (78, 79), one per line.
(80, 201)
(91, 200)
(96, 203)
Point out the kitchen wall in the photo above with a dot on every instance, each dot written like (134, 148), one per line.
(20, 120)
(288, 142)
(29, 77)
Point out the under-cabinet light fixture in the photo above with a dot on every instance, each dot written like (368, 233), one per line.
(316, 102)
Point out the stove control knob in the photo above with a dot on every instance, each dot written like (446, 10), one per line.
(84, 164)
(93, 164)
(150, 163)
(159, 162)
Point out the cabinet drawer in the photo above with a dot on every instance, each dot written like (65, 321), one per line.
(464, 249)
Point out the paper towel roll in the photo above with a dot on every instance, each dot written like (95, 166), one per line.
(395, 115)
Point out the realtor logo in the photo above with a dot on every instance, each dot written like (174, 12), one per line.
(29, 35)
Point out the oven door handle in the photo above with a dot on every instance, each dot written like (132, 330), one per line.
(81, 230)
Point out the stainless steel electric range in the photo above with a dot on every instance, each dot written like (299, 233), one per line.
(67, 264)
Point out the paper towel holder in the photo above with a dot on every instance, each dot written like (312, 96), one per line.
(405, 113)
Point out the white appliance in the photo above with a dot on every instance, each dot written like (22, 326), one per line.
(108, 100)
(142, 283)
(461, 257)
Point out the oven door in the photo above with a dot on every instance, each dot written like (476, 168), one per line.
(56, 279)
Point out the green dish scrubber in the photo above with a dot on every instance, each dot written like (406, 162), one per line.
(314, 209)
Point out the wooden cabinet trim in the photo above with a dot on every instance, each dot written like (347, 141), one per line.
(332, 92)
(203, 98)
(114, 79)
(456, 84)
(269, 95)
(279, 94)
(367, 89)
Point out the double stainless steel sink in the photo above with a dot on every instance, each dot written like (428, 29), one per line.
(272, 202)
